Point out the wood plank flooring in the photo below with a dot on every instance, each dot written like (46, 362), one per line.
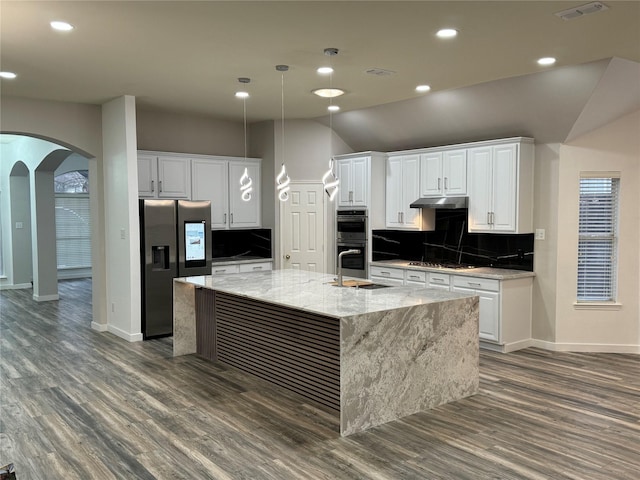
(79, 404)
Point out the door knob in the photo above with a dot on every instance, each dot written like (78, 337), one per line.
(287, 257)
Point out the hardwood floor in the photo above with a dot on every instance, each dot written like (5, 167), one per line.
(78, 404)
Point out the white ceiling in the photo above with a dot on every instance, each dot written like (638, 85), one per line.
(186, 56)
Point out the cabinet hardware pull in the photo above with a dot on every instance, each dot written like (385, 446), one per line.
(473, 284)
(160, 185)
(401, 217)
(231, 215)
(492, 218)
(437, 280)
(225, 219)
(287, 257)
(219, 271)
(414, 276)
(257, 268)
(446, 183)
(488, 218)
(385, 273)
(153, 188)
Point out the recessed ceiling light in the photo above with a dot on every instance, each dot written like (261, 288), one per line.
(447, 33)
(61, 26)
(423, 88)
(325, 70)
(333, 108)
(546, 61)
(8, 75)
(328, 92)
(242, 94)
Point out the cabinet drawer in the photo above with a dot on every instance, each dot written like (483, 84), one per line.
(255, 267)
(413, 276)
(476, 283)
(386, 272)
(223, 269)
(439, 279)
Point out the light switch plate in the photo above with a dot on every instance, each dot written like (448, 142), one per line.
(540, 233)
(19, 225)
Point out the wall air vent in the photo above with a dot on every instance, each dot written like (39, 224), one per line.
(380, 72)
(587, 9)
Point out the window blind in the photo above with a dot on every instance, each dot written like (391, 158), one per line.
(598, 239)
(73, 231)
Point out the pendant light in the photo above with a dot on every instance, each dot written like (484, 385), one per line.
(282, 180)
(245, 180)
(330, 181)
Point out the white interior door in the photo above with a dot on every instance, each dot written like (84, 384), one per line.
(303, 228)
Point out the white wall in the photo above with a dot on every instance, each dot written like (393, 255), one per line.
(120, 167)
(174, 132)
(614, 147)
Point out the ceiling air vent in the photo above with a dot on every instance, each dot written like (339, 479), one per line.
(587, 9)
(380, 72)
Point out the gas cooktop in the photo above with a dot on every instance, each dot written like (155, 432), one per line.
(455, 266)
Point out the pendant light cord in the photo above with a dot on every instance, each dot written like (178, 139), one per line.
(244, 112)
(282, 115)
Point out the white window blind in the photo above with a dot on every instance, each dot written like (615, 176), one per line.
(73, 231)
(598, 239)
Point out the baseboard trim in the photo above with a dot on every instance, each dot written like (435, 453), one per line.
(585, 347)
(129, 337)
(46, 298)
(99, 327)
(16, 286)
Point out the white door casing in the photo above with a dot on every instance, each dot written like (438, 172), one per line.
(302, 228)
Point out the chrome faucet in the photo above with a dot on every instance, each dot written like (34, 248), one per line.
(353, 251)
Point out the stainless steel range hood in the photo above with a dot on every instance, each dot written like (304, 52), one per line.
(441, 202)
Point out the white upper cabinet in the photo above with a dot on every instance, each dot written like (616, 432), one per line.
(204, 177)
(244, 213)
(355, 178)
(443, 173)
(403, 188)
(164, 176)
(211, 182)
(147, 176)
(501, 188)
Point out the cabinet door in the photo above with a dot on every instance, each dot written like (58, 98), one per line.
(480, 183)
(211, 182)
(431, 174)
(393, 197)
(174, 177)
(345, 189)
(147, 176)
(244, 214)
(489, 315)
(410, 191)
(505, 175)
(454, 172)
(360, 182)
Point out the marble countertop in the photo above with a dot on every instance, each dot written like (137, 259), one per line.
(480, 272)
(312, 292)
(239, 260)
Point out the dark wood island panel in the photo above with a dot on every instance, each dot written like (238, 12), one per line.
(292, 348)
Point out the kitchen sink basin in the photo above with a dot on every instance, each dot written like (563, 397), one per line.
(371, 286)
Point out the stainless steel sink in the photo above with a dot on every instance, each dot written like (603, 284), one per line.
(371, 286)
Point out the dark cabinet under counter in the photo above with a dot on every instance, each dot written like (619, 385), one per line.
(228, 245)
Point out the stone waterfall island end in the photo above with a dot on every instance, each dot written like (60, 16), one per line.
(370, 355)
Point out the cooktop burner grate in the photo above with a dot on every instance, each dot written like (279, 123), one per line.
(455, 266)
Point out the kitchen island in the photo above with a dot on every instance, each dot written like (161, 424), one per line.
(371, 355)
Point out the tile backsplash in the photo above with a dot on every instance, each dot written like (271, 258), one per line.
(450, 242)
(239, 244)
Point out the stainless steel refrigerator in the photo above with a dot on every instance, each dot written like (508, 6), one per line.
(175, 241)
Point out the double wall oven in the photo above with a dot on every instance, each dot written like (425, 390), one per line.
(351, 233)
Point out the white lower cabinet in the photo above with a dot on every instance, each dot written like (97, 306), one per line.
(439, 280)
(413, 277)
(489, 293)
(241, 268)
(387, 276)
(505, 304)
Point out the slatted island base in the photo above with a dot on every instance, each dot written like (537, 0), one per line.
(372, 356)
